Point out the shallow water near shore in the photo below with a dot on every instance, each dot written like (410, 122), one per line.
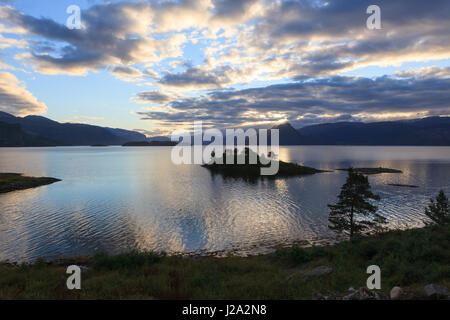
(115, 199)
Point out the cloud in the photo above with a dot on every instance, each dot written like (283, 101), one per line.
(9, 42)
(198, 78)
(128, 74)
(235, 10)
(15, 99)
(259, 39)
(157, 97)
(328, 37)
(112, 34)
(6, 66)
(320, 100)
(427, 72)
(305, 44)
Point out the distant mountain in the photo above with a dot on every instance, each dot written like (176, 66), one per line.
(126, 135)
(432, 131)
(159, 138)
(288, 135)
(153, 143)
(12, 135)
(66, 134)
(40, 131)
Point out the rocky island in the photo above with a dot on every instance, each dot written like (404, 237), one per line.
(372, 170)
(246, 170)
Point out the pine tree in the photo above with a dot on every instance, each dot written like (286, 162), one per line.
(353, 213)
(439, 210)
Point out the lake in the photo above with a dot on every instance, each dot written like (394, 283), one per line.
(116, 199)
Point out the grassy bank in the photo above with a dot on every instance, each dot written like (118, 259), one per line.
(16, 181)
(409, 259)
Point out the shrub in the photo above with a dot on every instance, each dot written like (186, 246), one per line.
(132, 259)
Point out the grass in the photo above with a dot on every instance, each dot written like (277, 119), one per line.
(410, 259)
(16, 181)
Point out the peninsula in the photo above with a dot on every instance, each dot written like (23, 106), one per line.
(16, 181)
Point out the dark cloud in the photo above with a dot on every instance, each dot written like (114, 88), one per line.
(320, 100)
(154, 97)
(231, 9)
(198, 78)
(110, 34)
(309, 42)
(337, 30)
(307, 38)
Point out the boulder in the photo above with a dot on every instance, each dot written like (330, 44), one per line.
(319, 271)
(362, 294)
(319, 296)
(396, 293)
(435, 291)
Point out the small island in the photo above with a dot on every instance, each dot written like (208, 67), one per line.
(286, 169)
(150, 144)
(16, 181)
(372, 170)
(402, 185)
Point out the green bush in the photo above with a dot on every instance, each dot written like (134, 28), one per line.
(295, 255)
(129, 260)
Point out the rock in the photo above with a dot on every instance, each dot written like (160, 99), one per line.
(362, 294)
(436, 292)
(319, 271)
(352, 296)
(319, 296)
(84, 268)
(396, 293)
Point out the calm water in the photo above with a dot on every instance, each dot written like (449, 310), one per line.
(116, 199)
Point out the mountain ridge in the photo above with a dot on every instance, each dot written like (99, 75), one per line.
(431, 131)
(40, 131)
(52, 133)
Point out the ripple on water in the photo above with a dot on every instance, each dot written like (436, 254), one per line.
(116, 200)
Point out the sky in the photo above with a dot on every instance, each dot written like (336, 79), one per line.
(157, 66)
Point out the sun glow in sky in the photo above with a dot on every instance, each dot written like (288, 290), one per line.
(155, 66)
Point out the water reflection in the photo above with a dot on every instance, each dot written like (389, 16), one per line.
(117, 199)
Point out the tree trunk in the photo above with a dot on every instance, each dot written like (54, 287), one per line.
(351, 223)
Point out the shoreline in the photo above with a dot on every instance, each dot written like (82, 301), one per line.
(10, 182)
(421, 257)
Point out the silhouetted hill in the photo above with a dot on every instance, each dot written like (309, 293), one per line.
(70, 134)
(433, 131)
(40, 131)
(288, 135)
(150, 144)
(126, 135)
(12, 135)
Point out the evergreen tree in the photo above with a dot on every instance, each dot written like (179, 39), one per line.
(439, 210)
(353, 213)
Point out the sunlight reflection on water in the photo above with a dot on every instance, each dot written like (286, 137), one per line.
(116, 199)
